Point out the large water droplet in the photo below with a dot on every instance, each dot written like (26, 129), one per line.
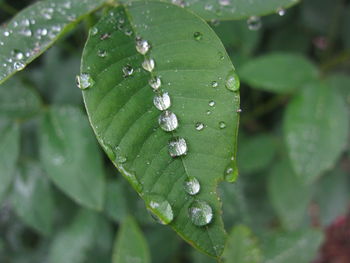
(155, 83)
(127, 71)
(192, 185)
(168, 121)
(148, 64)
(197, 36)
(162, 101)
(142, 46)
(199, 126)
(232, 81)
(160, 207)
(200, 213)
(254, 23)
(84, 81)
(177, 147)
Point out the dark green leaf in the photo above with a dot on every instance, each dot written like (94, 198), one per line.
(188, 59)
(340, 83)
(18, 101)
(130, 245)
(36, 28)
(288, 195)
(316, 128)
(278, 72)
(32, 198)
(9, 150)
(242, 246)
(297, 246)
(71, 157)
(116, 205)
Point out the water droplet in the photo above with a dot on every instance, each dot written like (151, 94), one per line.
(180, 3)
(6, 33)
(212, 103)
(199, 126)
(208, 112)
(168, 121)
(148, 64)
(102, 53)
(197, 36)
(222, 125)
(127, 71)
(239, 110)
(84, 81)
(162, 101)
(94, 31)
(18, 65)
(17, 54)
(281, 11)
(192, 185)
(105, 36)
(121, 159)
(131, 177)
(254, 23)
(160, 207)
(200, 213)
(109, 151)
(224, 2)
(155, 83)
(142, 46)
(214, 84)
(232, 81)
(231, 173)
(177, 147)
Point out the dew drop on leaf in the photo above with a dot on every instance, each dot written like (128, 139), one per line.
(148, 64)
(18, 65)
(94, 31)
(281, 11)
(254, 23)
(224, 2)
(192, 185)
(214, 84)
(200, 213)
(199, 126)
(162, 101)
(84, 81)
(142, 46)
(177, 147)
(155, 83)
(168, 121)
(197, 36)
(231, 173)
(232, 81)
(222, 125)
(211, 103)
(102, 53)
(127, 71)
(160, 208)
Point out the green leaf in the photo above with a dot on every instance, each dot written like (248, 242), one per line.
(71, 157)
(36, 28)
(341, 84)
(316, 125)
(256, 153)
(18, 101)
(9, 150)
(278, 72)
(32, 199)
(188, 59)
(116, 205)
(242, 246)
(130, 244)
(289, 196)
(75, 241)
(232, 9)
(297, 246)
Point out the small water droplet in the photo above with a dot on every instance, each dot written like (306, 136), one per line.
(155, 83)
(254, 23)
(162, 101)
(121, 159)
(239, 110)
(18, 65)
(224, 2)
(222, 125)
(214, 84)
(212, 103)
(231, 173)
(6, 33)
(142, 46)
(105, 36)
(160, 207)
(232, 81)
(192, 185)
(199, 126)
(84, 81)
(200, 213)
(177, 147)
(180, 3)
(102, 53)
(208, 112)
(197, 36)
(281, 11)
(94, 31)
(148, 64)
(127, 71)
(17, 54)
(168, 121)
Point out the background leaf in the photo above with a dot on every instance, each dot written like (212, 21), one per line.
(188, 60)
(36, 28)
(130, 245)
(316, 125)
(278, 72)
(71, 157)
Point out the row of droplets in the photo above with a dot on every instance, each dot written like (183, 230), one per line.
(199, 211)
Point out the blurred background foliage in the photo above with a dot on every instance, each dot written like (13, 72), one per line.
(290, 203)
